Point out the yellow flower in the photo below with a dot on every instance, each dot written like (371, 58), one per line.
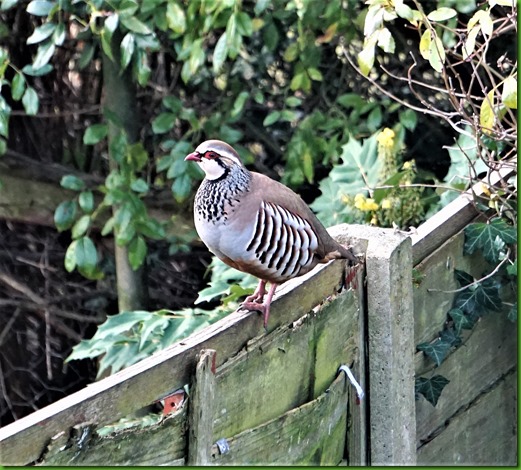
(370, 205)
(408, 165)
(386, 138)
(359, 201)
(484, 189)
(386, 204)
(374, 220)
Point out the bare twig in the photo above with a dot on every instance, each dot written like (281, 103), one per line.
(478, 281)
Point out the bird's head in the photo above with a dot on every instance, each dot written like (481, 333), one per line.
(215, 157)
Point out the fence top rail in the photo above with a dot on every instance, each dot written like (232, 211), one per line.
(455, 216)
(156, 377)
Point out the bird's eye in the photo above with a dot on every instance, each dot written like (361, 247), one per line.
(211, 154)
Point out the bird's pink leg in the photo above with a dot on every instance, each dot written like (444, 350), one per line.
(261, 307)
(258, 295)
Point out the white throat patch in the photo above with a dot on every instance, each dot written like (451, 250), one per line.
(211, 168)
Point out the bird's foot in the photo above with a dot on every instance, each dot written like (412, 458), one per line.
(255, 301)
(258, 295)
(259, 307)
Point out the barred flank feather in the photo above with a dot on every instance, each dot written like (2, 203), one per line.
(283, 242)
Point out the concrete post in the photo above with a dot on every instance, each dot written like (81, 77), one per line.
(390, 337)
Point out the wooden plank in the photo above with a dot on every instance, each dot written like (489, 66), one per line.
(313, 434)
(488, 354)
(161, 444)
(434, 295)
(290, 367)
(455, 216)
(201, 406)
(357, 434)
(483, 434)
(154, 378)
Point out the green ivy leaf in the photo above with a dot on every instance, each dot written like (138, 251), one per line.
(65, 215)
(450, 336)
(34, 72)
(431, 388)
(482, 236)
(461, 321)
(487, 294)
(463, 278)
(437, 351)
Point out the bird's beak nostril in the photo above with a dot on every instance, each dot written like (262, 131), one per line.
(193, 156)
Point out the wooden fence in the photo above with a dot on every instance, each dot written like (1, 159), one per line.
(277, 397)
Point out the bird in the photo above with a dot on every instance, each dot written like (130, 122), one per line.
(257, 225)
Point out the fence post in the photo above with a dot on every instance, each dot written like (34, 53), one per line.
(390, 341)
(201, 408)
(390, 321)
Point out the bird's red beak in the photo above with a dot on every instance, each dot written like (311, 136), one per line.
(193, 156)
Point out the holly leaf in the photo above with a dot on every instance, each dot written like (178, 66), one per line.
(430, 388)
(437, 351)
(482, 236)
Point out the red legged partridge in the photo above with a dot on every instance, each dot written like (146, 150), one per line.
(257, 225)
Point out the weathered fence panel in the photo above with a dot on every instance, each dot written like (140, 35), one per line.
(276, 397)
(480, 371)
(260, 378)
(475, 419)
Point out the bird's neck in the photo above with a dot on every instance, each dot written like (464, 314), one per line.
(214, 195)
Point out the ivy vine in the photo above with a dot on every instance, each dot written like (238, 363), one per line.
(495, 240)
